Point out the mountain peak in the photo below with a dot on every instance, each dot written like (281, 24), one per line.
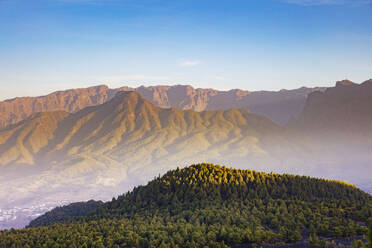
(129, 96)
(344, 83)
(126, 100)
(368, 82)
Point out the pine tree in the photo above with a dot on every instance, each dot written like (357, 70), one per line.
(313, 239)
(369, 244)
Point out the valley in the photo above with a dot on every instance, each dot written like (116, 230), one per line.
(102, 150)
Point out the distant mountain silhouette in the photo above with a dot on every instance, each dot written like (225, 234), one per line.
(343, 110)
(279, 106)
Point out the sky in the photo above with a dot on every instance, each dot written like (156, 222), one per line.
(48, 45)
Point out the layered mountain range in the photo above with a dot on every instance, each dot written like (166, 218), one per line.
(125, 141)
(279, 106)
(105, 149)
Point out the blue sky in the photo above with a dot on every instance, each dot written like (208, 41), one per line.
(47, 45)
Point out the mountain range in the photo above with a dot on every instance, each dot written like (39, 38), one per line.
(279, 106)
(125, 141)
(104, 149)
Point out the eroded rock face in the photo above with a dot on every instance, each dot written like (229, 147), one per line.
(345, 108)
(280, 106)
(17, 109)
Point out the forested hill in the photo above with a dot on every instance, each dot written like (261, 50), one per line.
(208, 205)
(67, 213)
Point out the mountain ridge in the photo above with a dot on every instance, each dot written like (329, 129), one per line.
(279, 106)
(129, 112)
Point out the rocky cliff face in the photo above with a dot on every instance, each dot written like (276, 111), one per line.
(280, 106)
(17, 109)
(343, 109)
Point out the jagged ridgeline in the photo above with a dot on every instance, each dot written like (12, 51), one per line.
(205, 205)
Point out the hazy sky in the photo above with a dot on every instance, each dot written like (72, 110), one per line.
(46, 45)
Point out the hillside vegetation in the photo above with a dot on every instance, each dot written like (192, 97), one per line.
(207, 205)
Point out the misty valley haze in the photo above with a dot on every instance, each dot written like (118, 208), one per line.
(98, 143)
(185, 124)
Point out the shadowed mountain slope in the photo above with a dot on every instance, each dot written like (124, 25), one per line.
(340, 119)
(345, 108)
(338, 122)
